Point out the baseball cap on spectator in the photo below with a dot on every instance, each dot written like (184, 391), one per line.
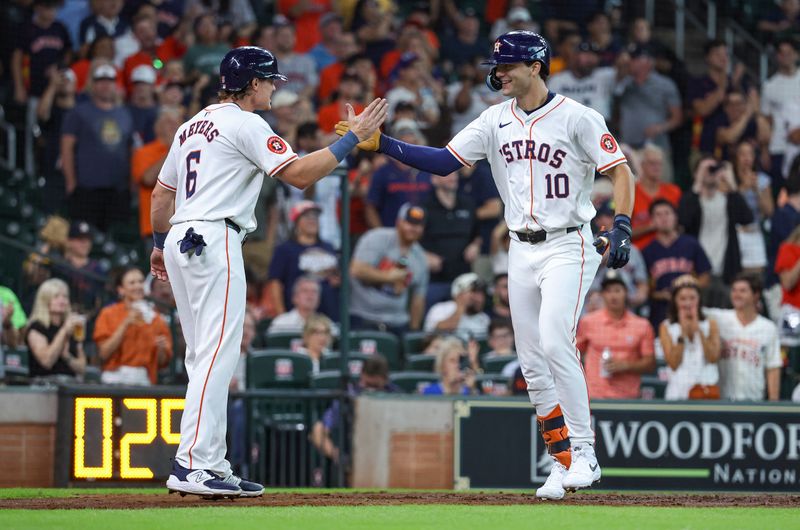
(519, 14)
(280, 21)
(69, 75)
(79, 229)
(406, 126)
(302, 208)
(411, 213)
(406, 60)
(284, 98)
(327, 18)
(105, 71)
(469, 281)
(144, 73)
(611, 278)
(639, 50)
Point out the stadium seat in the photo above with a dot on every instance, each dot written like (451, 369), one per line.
(421, 362)
(495, 365)
(383, 342)
(284, 340)
(483, 344)
(16, 365)
(413, 382)
(412, 342)
(327, 380)
(260, 340)
(278, 369)
(355, 361)
(652, 387)
(492, 384)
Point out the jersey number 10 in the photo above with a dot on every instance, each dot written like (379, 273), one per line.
(191, 175)
(557, 186)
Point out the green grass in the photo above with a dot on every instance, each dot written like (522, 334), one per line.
(406, 517)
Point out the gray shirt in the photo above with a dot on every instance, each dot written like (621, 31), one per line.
(380, 248)
(644, 105)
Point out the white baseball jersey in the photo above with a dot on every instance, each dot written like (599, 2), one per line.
(595, 90)
(216, 165)
(746, 352)
(543, 163)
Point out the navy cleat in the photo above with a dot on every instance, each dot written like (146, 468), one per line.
(249, 489)
(200, 482)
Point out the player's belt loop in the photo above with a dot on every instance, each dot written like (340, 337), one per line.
(234, 226)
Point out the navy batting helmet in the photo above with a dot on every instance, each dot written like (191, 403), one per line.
(243, 64)
(518, 46)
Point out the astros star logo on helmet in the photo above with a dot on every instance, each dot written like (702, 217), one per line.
(497, 47)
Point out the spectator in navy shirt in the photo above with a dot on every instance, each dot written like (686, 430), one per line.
(784, 20)
(304, 254)
(670, 255)
(143, 105)
(104, 20)
(785, 219)
(394, 184)
(603, 41)
(707, 93)
(46, 44)
(95, 154)
(476, 181)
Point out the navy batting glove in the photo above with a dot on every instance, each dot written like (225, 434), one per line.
(618, 242)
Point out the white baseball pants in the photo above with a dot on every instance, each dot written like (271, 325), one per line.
(210, 293)
(547, 284)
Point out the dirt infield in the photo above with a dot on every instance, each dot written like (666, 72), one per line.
(139, 501)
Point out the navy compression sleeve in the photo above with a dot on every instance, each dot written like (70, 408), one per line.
(432, 159)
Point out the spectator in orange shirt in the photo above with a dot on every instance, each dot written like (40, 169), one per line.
(305, 14)
(133, 341)
(626, 338)
(649, 188)
(351, 91)
(144, 29)
(787, 267)
(146, 164)
(345, 50)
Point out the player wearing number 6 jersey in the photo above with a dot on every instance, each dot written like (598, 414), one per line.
(201, 210)
(543, 149)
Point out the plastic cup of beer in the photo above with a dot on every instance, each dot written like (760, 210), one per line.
(79, 331)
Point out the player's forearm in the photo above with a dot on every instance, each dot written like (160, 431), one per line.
(416, 311)
(773, 384)
(623, 180)
(308, 169)
(161, 208)
(435, 160)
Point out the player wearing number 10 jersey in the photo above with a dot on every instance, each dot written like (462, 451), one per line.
(543, 149)
(201, 210)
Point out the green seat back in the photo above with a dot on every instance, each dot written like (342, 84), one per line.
(278, 369)
(413, 382)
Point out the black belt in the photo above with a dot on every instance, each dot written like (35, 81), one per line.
(231, 224)
(539, 235)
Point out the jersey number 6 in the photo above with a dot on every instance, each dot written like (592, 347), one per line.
(191, 175)
(557, 186)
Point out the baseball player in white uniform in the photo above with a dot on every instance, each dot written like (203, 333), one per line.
(543, 149)
(202, 209)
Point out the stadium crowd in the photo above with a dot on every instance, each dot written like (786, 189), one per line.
(709, 303)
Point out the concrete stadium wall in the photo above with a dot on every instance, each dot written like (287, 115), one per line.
(27, 436)
(403, 442)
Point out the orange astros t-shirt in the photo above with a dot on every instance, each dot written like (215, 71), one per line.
(142, 159)
(138, 346)
(641, 208)
(788, 255)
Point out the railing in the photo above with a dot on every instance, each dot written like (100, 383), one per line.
(279, 450)
(735, 33)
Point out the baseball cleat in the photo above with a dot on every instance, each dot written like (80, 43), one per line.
(249, 489)
(206, 484)
(584, 470)
(552, 488)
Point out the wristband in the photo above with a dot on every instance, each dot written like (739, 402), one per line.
(623, 222)
(159, 238)
(341, 147)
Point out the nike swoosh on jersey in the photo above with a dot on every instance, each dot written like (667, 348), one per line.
(504, 124)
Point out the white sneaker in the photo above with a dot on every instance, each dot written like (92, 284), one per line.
(584, 470)
(552, 488)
